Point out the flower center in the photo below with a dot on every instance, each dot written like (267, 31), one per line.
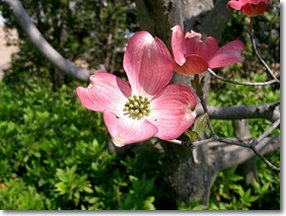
(137, 106)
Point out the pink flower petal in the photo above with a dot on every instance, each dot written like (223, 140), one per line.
(234, 4)
(228, 54)
(194, 64)
(106, 92)
(178, 44)
(172, 111)
(191, 44)
(207, 48)
(251, 10)
(125, 130)
(148, 64)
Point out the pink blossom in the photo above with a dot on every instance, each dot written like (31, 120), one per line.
(194, 56)
(249, 7)
(148, 106)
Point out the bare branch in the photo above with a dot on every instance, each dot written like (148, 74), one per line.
(264, 111)
(272, 167)
(237, 155)
(267, 132)
(251, 34)
(43, 46)
(241, 83)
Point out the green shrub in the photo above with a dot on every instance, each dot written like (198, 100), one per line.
(54, 155)
(58, 151)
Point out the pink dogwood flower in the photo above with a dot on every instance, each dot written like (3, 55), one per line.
(148, 106)
(194, 56)
(249, 7)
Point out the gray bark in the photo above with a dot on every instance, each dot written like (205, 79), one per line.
(248, 169)
(270, 112)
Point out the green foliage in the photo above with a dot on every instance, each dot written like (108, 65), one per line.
(268, 187)
(195, 205)
(228, 195)
(54, 155)
(17, 195)
(135, 198)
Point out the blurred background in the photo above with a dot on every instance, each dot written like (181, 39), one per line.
(54, 153)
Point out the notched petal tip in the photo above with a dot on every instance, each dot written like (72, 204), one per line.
(174, 28)
(192, 34)
(118, 142)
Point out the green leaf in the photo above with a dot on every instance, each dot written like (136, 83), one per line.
(252, 198)
(192, 135)
(265, 187)
(93, 200)
(200, 124)
(88, 189)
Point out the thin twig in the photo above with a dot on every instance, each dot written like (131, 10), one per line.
(241, 83)
(272, 167)
(202, 142)
(251, 34)
(232, 142)
(267, 132)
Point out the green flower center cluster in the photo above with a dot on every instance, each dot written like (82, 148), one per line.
(137, 106)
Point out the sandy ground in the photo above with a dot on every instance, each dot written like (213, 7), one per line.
(6, 51)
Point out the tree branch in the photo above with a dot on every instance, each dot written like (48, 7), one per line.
(265, 111)
(236, 155)
(267, 132)
(241, 83)
(43, 46)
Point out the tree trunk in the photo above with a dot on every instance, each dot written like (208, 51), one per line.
(191, 171)
(248, 169)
